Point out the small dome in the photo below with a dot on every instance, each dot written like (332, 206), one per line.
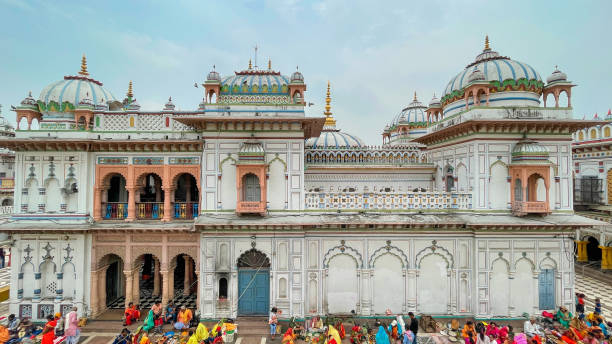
(202, 104)
(475, 76)
(334, 139)
(133, 105)
(387, 127)
(29, 101)
(213, 76)
(435, 102)
(529, 151)
(169, 105)
(86, 101)
(413, 113)
(297, 77)
(557, 76)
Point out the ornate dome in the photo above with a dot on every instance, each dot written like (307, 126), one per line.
(66, 94)
(413, 113)
(556, 76)
(297, 77)
(529, 151)
(29, 102)
(500, 71)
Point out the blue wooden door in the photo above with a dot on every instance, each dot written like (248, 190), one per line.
(547, 289)
(254, 291)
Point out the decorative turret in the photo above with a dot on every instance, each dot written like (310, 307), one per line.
(213, 75)
(29, 102)
(169, 105)
(130, 103)
(557, 83)
(86, 102)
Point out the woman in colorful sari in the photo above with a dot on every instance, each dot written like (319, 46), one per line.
(334, 333)
(132, 314)
(149, 321)
(48, 333)
(520, 338)
(564, 316)
(381, 336)
(202, 333)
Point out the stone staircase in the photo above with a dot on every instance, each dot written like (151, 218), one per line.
(253, 326)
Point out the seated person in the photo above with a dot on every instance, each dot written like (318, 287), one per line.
(564, 316)
(170, 313)
(125, 337)
(157, 313)
(183, 319)
(132, 314)
(531, 329)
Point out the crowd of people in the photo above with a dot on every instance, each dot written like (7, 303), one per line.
(57, 328)
(186, 329)
(560, 328)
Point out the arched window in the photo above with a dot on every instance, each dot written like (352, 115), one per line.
(251, 189)
(607, 132)
(593, 133)
(223, 288)
(580, 136)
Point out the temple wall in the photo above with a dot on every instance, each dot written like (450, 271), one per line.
(422, 273)
(49, 274)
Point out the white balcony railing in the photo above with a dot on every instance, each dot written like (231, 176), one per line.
(6, 210)
(387, 200)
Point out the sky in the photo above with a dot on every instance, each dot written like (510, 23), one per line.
(376, 54)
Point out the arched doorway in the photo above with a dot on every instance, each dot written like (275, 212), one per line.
(593, 250)
(388, 276)
(147, 281)
(342, 285)
(7, 202)
(253, 283)
(115, 206)
(251, 191)
(186, 197)
(115, 281)
(536, 188)
(449, 178)
(183, 281)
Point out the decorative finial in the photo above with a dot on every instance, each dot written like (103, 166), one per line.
(250, 65)
(269, 64)
(84, 66)
(487, 47)
(169, 99)
(30, 94)
(415, 97)
(214, 66)
(329, 120)
(130, 93)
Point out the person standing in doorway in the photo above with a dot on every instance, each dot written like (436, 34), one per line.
(414, 326)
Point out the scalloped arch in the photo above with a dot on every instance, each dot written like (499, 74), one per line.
(503, 260)
(388, 249)
(342, 249)
(547, 260)
(229, 157)
(438, 250)
(528, 260)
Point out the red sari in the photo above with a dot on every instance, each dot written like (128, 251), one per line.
(49, 332)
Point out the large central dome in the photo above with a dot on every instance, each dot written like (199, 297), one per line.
(502, 73)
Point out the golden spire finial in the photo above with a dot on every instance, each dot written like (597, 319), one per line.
(415, 97)
(269, 64)
(130, 93)
(487, 47)
(84, 66)
(329, 120)
(250, 65)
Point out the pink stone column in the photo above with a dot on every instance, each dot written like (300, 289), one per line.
(94, 293)
(165, 288)
(186, 283)
(131, 203)
(129, 279)
(102, 289)
(136, 285)
(168, 211)
(156, 279)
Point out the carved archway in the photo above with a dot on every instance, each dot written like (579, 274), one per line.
(391, 250)
(342, 249)
(438, 250)
(253, 259)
